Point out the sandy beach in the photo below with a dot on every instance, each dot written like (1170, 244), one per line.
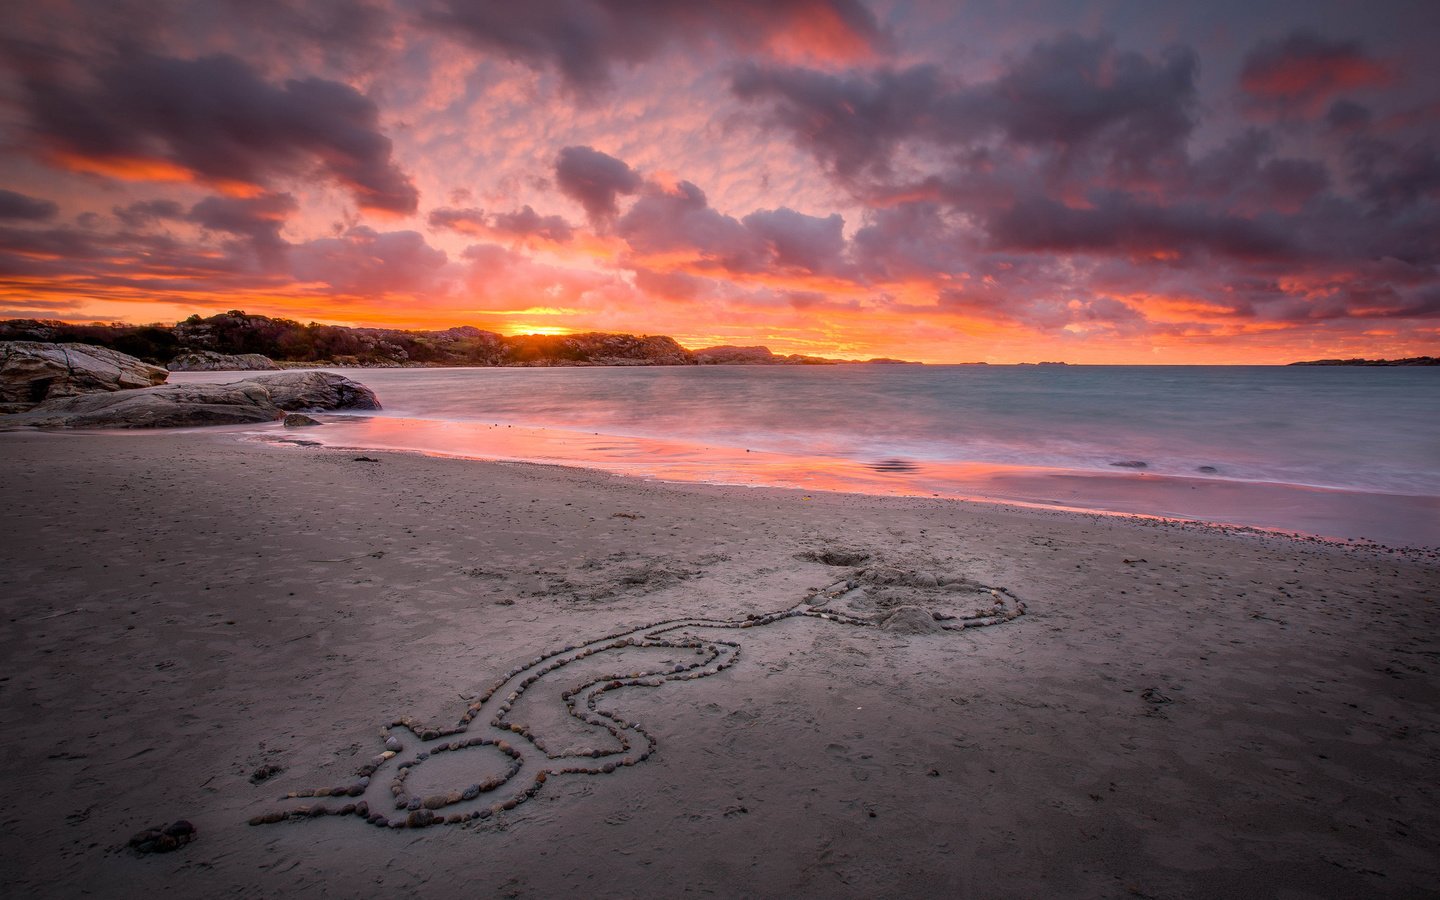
(1182, 711)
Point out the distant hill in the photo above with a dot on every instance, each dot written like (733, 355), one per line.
(1410, 361)
(295, 344)
(727, 355)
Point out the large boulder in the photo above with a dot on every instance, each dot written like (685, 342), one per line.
(210, 361)
(292, 391)
(32, 372)
(264, 398)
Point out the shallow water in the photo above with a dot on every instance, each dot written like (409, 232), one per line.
(1010, 432)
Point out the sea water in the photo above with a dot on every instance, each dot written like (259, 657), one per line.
(957, 431)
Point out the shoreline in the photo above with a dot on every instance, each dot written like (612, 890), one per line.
(1182, 711)
(1407, 522)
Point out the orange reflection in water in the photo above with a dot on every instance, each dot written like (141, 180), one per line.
(1394, 519)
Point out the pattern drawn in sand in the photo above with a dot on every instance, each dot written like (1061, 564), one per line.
(505, 747)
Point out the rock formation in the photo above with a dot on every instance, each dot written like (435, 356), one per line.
(32, 372)
(264, 398)
(210, 361)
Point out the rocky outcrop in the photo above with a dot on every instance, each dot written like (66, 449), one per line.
(727, 355)
(32, 372)
(293, 391)
(210, 361)
(264, 398)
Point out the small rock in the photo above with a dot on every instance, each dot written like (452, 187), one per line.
(1208, 470)
(164, 838)
(1131, 464)
(299, 420)
(266, 771)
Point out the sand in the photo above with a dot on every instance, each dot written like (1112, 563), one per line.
(1182, 711)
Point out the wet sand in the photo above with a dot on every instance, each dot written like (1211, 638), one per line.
(1181, 712)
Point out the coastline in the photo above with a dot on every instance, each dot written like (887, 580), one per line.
(1184, 710)
(1401, 521)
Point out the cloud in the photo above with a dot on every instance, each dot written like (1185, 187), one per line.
(595, 180)
(585, 40)
(1121, 223)
(146, 117)
(677, 227)
(257, 220)
(1070, 97)
(463, 221)
(1299, 73)
(680, 222)
(22, 206)
(523, 223)
(851, 123)
(797, 241)
(143, 213)
(364, 262)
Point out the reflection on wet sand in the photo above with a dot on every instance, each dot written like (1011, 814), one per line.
(1394, 519)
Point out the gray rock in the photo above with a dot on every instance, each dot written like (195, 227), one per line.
(299, 420)
(32, 372)
(210, 361)
(911, 620)
(1131, 464)
(315, 390)
(264, 398)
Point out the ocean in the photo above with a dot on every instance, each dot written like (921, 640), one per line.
(1338, 451)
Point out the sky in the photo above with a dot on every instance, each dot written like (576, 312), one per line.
(1131, 181)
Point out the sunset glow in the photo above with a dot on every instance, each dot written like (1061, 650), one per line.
(1098, 183)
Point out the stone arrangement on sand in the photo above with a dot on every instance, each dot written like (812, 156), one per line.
(877, 596)
(164, 838)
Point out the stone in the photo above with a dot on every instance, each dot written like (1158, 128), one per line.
(260, 399)
(316, 390)
(911, 620)
(165, 838)
(32, 372)
(419, 818)
(210, 361)
(1131, 464)
(299, 420)
(268, 770)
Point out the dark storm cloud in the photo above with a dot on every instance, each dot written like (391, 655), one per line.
(595, 180)
(146, 212)
(584, 40)
(22, 206)
(1243, 172)
(1302, 70)
(1393, 175)
(1069, 95)
(218, 120)
(257, 220)
(1122, 223)
(851, 123)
